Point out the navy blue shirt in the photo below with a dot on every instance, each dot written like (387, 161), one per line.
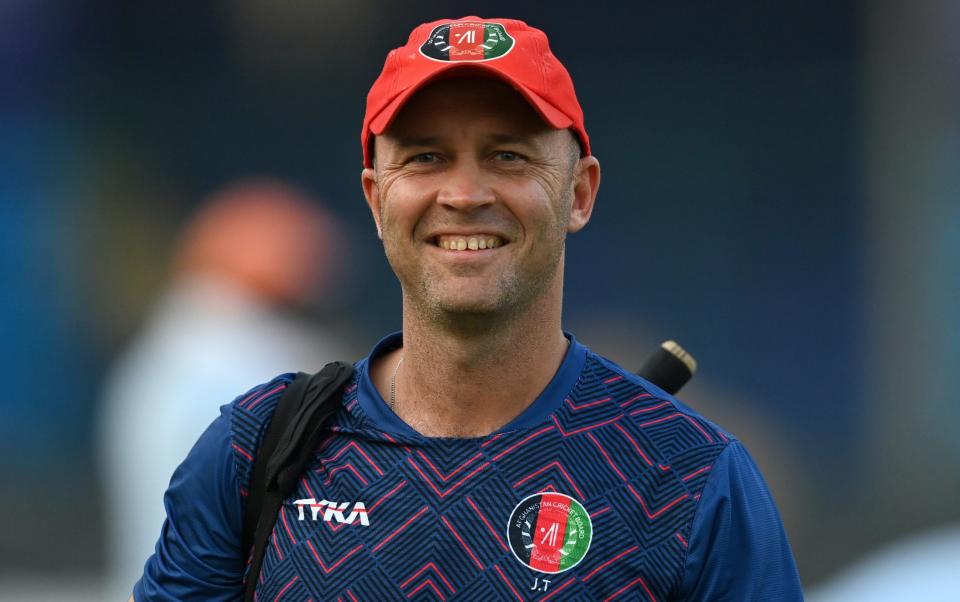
(604, 487)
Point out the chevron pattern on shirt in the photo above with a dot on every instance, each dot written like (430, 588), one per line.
(438, 508)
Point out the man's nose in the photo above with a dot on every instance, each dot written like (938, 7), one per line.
(465, 186)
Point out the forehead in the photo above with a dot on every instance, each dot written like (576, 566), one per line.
(466, 102)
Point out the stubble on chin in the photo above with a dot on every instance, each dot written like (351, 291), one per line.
(507, 296)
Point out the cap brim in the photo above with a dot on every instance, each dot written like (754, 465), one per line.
(550, 114)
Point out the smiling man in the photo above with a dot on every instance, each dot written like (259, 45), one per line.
(482, 453)
(473, 194)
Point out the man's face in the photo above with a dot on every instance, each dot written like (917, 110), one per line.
(474, 194)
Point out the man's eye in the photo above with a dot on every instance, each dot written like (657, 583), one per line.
(508, 156)
(424, 158)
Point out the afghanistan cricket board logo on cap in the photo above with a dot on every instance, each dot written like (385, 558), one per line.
(467, 41)
(549, 532)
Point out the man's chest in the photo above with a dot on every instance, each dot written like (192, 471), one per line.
(526, 517)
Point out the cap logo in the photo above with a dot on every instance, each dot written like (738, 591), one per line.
(467, 41)
(549, 532)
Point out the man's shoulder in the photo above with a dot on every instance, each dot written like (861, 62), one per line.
(250, 415)
(256, 406)
(658, 426)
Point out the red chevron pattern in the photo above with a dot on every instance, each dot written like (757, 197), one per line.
(679, 416)
(582, 429)
(497, 536)
(438, 509)
(401, 528)
(447, 477)
(560, 469)
(428, 582)
(463, 543)
(632, 584)
(452, 488)
(353, 446)
(327, 569)
(587, 404)
(661, 510)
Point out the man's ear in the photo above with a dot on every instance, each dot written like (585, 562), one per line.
(586, 182)
(371, 190)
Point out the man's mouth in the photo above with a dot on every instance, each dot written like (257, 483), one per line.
(473, 242)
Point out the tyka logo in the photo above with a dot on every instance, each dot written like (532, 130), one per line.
(332, 511)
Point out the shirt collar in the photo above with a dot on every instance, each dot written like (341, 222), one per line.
(376, 408)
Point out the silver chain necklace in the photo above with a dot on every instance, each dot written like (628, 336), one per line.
(393, 386)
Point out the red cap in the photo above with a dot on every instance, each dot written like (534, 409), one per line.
(507, 49)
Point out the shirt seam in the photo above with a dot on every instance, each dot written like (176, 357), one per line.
(711, 479)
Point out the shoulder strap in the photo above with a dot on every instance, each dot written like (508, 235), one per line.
(287, 445)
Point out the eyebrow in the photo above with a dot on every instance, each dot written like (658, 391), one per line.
(509, 139)
(407, 141)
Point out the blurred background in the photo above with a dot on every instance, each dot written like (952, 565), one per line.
(781, 194)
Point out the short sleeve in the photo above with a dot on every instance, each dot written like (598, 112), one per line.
(738, 549)
(198, 554)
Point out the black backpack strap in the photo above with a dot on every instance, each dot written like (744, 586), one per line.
(284, 451)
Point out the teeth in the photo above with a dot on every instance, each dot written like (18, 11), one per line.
(473, 243)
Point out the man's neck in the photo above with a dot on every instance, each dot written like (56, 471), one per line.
(470, 382)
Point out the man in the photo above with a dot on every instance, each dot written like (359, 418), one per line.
(483, 453)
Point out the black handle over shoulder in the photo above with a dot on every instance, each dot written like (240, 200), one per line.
(286, 447)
